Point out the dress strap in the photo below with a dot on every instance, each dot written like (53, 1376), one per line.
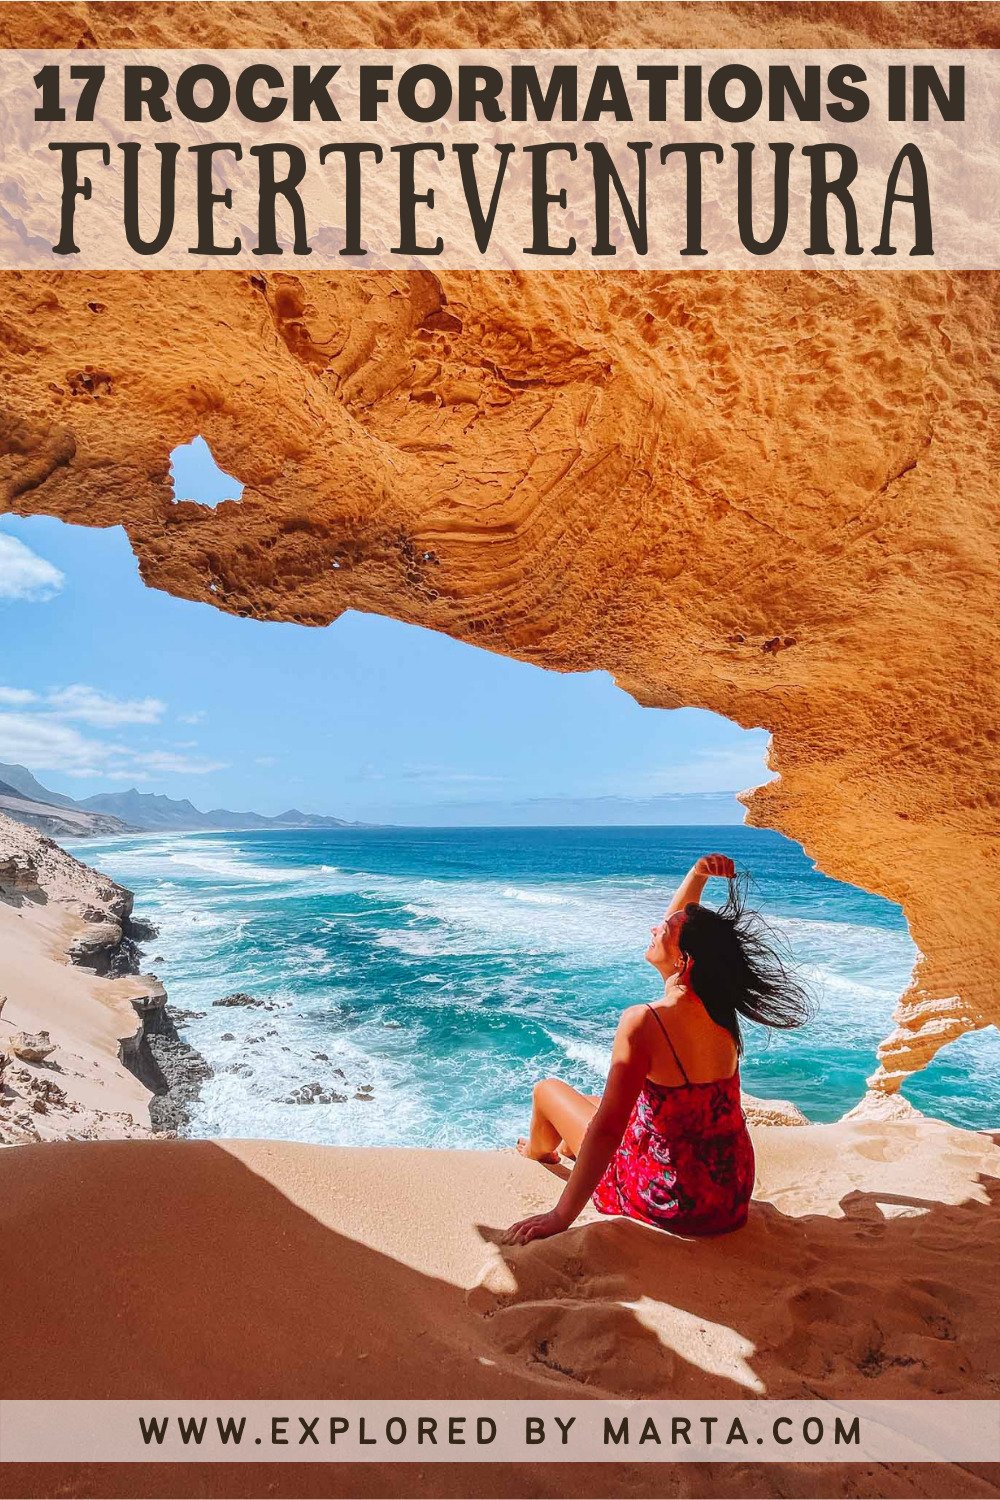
(666, 1033)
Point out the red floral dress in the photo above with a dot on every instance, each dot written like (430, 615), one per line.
(686, 1162)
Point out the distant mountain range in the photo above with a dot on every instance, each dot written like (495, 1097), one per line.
(54, 819)
(24, 798)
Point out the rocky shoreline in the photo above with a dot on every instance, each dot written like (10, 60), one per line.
(184, 1071)
(49, 900)
(58, 914)
(156, 1053)
(164, 1062)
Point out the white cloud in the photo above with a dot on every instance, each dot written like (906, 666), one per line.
(168, 762)
(91, 706)
(194, 718)
(25, 576)
(44, 742)
(88, 704)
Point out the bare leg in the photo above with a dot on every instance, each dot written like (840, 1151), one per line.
(559, 1113)
(564, 1148)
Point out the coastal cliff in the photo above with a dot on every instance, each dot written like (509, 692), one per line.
(85, 1039)
(771, 494)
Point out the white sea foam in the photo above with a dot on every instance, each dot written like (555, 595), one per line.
(233, 866)
(495, 982)
(255, 1105)
(537, 898)
(592, 1055)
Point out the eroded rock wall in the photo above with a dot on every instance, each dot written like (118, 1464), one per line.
(768, 494)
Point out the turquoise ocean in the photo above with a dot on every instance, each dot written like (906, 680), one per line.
(450, 968)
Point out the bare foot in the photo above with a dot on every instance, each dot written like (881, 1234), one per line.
(523, 1149)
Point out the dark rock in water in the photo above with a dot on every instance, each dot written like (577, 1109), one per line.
(125, 959)
(313, 1093)
(365, 1098)
(142, 931)
(320, 1057)
(159, 959)
(339, 1073)
(305, 1094)
(242, 1070)
(366, 1088)
(187, 1015)
(239, 998)
(227, 1036)
(184, 1071)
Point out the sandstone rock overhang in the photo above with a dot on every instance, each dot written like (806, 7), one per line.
(769, 494)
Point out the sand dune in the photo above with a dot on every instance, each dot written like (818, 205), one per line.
(252, 1269)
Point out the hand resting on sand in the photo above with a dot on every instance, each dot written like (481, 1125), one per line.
(537, 1227)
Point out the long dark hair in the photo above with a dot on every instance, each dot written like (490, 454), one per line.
(735, 969)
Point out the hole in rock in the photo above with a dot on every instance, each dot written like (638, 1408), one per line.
(195, 475)
(435, 867)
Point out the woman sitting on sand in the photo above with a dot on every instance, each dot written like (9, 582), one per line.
(667, 1141)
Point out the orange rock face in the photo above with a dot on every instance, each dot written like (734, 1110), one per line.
(770, 494)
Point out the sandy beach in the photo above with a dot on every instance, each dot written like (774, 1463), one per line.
(137, 1266)
(245, 1269)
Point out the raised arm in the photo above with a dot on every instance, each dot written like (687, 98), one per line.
(696, 879)
(629, 1065)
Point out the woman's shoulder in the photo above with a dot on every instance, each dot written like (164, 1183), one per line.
(668, 1005)
(680, 1010)
(647, 1013)
(633, 1019)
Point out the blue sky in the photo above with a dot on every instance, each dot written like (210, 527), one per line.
(105, 684)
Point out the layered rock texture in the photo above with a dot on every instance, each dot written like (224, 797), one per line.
(72, 1009)
(767, 494)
